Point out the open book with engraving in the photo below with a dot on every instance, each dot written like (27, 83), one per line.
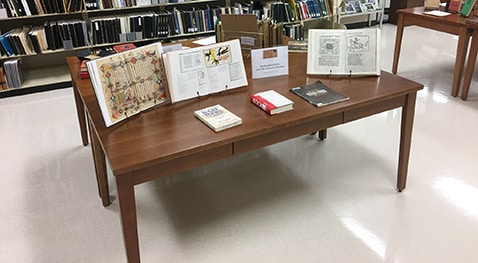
(129, 82)
(344, 51)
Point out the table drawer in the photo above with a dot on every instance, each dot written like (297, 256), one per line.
(286, 133)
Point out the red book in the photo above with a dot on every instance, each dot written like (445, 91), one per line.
(455, 6)
(83, 70)
(272, 102)
(123, 47)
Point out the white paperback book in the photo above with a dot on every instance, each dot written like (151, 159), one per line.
(218, 118)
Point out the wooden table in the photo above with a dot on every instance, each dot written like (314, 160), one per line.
(452, 24)
(159, 142)
(470, 66)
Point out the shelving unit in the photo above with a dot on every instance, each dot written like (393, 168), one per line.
(48, 70)
(371, 10)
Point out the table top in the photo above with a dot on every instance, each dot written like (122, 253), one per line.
(453, 18)
(171, 131)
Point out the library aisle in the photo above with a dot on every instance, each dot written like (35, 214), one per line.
(299, 201)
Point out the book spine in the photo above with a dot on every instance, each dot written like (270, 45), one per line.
(262, 103)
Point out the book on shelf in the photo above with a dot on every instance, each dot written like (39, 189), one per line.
(453, 6)
(467, 7)
(272, 102)
(123, 47)
(204, 70)
(13, 72)
(3, 81)
(319, 94)
(432, 4)
(344, 51)
(129, 82)
(218, 118)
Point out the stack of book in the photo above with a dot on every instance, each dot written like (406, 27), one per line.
(13, 72)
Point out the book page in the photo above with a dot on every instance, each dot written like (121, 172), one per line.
(344, 52)
(129, 82)
(363, 54)
(325, 52)
(203, 70)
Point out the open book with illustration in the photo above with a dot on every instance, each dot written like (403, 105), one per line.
(129, 82)
(203, 70)
(135, 80)
(344, 51)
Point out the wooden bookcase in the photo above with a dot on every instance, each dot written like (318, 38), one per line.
(48, 70)
(355, 10)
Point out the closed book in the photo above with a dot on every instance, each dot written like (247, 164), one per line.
(84, 70)
(7, 45)
(123, 47)
(218, 118)
(467, 7)
(319, 94)
(454, 6)
(272, 102)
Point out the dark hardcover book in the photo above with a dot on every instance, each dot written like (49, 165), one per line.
(57, 41)
(97, 35)
(32, 7)
(80, 37)
(148, 26)
(7, 7)
(7, 44)
(73, 33)
(319, 94)
(48, 6)
(48, 36)
(19, 8)
(35, 42)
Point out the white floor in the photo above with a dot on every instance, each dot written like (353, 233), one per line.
(299, 201)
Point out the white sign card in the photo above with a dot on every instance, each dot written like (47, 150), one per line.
(269, 62)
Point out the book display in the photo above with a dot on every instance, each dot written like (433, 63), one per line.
(129, 82)
(204, 70)
(218, 118)
(135, 80)
(344, 52)
(318, 94)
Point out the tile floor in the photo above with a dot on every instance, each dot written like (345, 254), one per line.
(298, 201)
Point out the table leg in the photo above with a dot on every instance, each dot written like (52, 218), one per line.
(100, 167)
(323, 134)
(80, 111)
(470, 66)
(398, 42)
(129, 224)
(461, 50)
(408, 114)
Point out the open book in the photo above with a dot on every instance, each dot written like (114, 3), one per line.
(203, 70)
(135, 80)
(129, 82)
(344, 52)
